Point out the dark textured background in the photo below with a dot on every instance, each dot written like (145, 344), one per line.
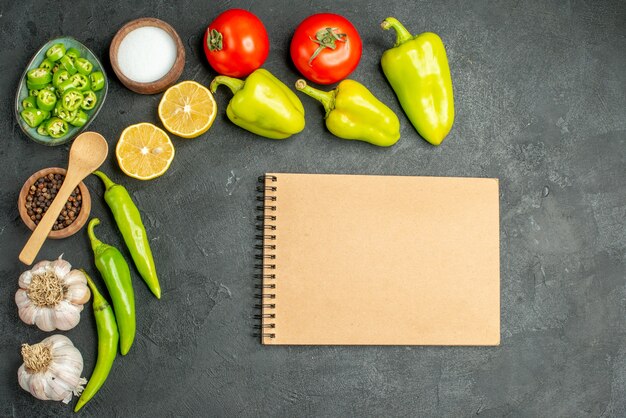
(540, 93)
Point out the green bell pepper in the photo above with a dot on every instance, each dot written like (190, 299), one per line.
(417, 69)
(352, 112)
(263, 105)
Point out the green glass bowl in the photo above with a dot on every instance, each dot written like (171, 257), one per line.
(22, 92)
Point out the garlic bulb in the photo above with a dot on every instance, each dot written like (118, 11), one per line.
(51, 369)
(52, 295)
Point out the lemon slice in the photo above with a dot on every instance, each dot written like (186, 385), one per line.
(144, 151)
(187, 109)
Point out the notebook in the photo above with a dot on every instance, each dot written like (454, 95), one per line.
(378, 260)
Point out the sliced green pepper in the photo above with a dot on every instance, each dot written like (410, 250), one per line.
(73, 53)
(59, 77)
(42, 129)
(57, 128)
(97, 80)
(46, 100)
(83, 66)
(80, 119)
(68, 64)
(56, 67)
(33, 92)
(66, 115)
(46, 114)
(114, 270)
(71, 99)
(33, 117)
(55, 52)
(30, 101)
(89, 100)
(39, 76)
(65, 86)
(81, 81)
(108, 338)
(46, 64)
(35, 86)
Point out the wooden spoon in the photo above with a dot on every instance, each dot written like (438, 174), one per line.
(88, 152)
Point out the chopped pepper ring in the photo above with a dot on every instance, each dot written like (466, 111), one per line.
(89, 100)
(57, 128)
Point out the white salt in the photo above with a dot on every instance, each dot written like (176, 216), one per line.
(146, 54)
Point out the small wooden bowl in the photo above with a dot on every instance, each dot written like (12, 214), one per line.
(80, 220)
(164, 82)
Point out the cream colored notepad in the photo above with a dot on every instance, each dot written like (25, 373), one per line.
(380, 260)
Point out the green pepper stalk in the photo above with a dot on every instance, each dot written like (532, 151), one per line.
(108, 338)
(263, 105)
(116, 274)
(417, 70)
(128, 220)
(352, 112)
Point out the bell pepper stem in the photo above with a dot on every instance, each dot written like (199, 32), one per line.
(402, 34)
(96, 244)
(234, 84)
(108, 183)
(327, 98)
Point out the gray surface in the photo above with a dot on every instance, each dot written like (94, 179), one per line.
(540, 98)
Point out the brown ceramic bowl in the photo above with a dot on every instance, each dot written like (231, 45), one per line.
(80, 220)
(164, 82)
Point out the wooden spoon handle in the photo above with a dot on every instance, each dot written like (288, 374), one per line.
(39, 235)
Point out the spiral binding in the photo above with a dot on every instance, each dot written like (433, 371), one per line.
(267, 233)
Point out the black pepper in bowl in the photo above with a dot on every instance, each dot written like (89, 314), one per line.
(42, 193)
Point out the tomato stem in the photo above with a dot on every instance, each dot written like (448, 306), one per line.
(214, 40)
(326, 38)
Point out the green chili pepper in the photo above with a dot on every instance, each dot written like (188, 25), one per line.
(263, 105)
(116, 274)
(97, 80)
(46, 114)
(89, 100)
(32, 116)
(56, 128)
(81, 81)
(73, 53)
(128, 220)
(35, 86)
(66, 115)
(352, 112)
(33, 92)
(46, 64)
(417, 69)
(65, 86)
(71, 99)
(60, 77)
(39, 76)
(108, 338)
(80, 119)
(68, 64)
(30, 101)
(83, 66)
(42, 129)
(55, 52)
(46, 100)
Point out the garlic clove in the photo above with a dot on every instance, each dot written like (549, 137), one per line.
(45, 320)
(25, 279)
(78, 294)
(67, 315)
(36, 386)
(75, 277)
(40, 268)
(60, 267)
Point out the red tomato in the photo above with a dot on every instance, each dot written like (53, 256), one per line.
(236, 43)
(326, 48)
